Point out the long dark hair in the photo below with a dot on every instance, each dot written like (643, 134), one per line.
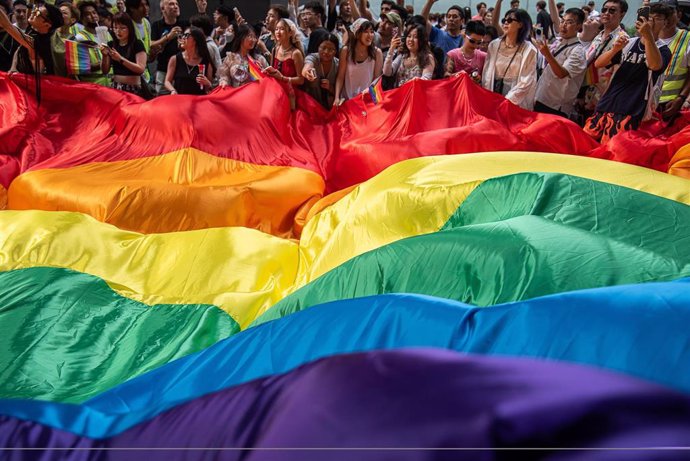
(43, 47)
(523, 18)
(123, 19)
(354, 39)
(243, 30)
(424, 51)
(201, 47)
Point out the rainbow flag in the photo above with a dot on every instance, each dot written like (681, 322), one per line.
(376, 91)
(182, 288)
(77, 58)
(255, 72)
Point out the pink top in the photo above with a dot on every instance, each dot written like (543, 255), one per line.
(460, 62)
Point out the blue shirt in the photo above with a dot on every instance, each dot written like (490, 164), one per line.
(444, 40)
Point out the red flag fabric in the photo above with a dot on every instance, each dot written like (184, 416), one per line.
(79, 123)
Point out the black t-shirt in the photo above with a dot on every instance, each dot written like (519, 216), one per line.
(544, 19)
(8, 46)
(628, 88)
(159, 29)
(118, 67)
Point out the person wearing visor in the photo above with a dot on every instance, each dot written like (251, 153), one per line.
(390, 26)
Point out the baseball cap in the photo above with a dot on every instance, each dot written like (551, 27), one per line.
(393, 18)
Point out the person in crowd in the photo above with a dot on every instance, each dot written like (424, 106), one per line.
(320, 70)
(345, 14)
(275, 14)
(235, 68)
(20, 11)
(70, 16)
(481, 12)
(204, 23)
(164, 33)
(126, 55)
(629, 98)
(511, 63)
(544, 21)
(88, 12)
(593, 14)
(43, 22)
(597, 79)
(223, 33)
(287, 57)
(105, 17)
(489, 17)
(314, 17)
(8, 45)
(515, 4)
(414, 61)
(121, 6)
(490, 34)
(469, 58)
(450, 38)
(137, 11)
(315, 38)
(191, 70)
(676, 86)
(360, 62)
(390, 25)
(560, 8)
(565, 67)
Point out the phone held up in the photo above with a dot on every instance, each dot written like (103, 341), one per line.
(643, 13)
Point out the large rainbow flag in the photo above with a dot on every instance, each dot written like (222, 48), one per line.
(194, 277)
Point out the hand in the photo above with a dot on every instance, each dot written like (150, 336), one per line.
(325, 84)
(201, 6)
(644, 28)
(202, 80)
(620, 42)
(338, 101)
(115, 56)
(542, 46)
(223, 84)
(238, 17)
(396, 42)
(270, 70)
(310, 75)
(177, 30)
(104, 49)
(261, 46)
(173, 92)
(672, 109)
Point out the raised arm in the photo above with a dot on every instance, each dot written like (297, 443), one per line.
(340, 80)
(364, 11)
(605, 58)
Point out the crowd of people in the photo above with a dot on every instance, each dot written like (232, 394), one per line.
(578, 63)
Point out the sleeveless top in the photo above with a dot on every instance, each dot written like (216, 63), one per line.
(287, 67)
(185, 77)
(358, 77)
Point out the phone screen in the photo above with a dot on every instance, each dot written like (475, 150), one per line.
(643, 12)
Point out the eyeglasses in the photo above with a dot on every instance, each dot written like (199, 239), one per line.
(184, 36)
(473, 41)
(609, 10)
(508, 20)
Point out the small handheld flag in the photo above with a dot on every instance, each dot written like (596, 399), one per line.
(376, 91)
(77, 58)
(255, 72)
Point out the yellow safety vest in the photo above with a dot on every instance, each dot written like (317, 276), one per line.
(146, 40)
(674, 77)
(96, 58)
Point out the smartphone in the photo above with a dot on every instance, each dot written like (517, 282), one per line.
(396, 31)
(643, 12)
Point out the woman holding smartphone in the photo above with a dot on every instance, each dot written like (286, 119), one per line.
(126, 55)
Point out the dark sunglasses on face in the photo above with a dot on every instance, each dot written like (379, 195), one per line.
(609, 10)
(184, 36)
(473, 41)
(508, 20)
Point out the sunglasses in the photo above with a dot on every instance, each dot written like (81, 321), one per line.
(609, 10)
(184, 36)
(474, 42)
(508, 20)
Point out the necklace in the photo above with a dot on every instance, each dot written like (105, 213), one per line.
(284, 52)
